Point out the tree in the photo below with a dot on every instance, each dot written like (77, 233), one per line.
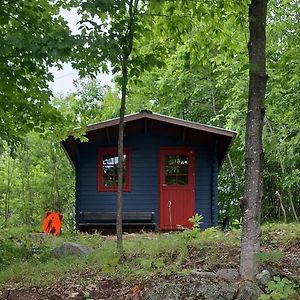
(251, 203)
(33, 37)
(110, 42)
(126, 49)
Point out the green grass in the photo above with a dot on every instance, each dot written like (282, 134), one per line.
(281, 233)
(26, 258)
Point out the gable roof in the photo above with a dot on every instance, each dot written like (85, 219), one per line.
(224, 136)
(159, 117)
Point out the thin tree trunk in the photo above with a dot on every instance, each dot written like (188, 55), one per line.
(121, 159)
(281, 205)
(282, 167)
(236, 181)
(28, 187)
(10, 169)
(254, 152)
(127, 49)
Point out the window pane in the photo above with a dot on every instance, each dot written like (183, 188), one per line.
(110, 170)
(170, 160)
(176, 169)
(110, 159)
(183, 180)
(183, 160)
(170, 180)
(182, 169)
(171, 170)
(108, 181)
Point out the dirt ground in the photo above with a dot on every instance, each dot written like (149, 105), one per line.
(89, 285)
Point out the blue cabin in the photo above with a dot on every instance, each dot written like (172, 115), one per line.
(170, 171)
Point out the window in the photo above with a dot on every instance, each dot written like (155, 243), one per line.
(108, 170)
(176, 170)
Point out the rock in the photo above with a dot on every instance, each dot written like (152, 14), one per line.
(204, 274)
(263, 277)
(295, 262)
(272, 270)
(249, 291)
(209, 290)
(166, 291)
(230, 275)
(196, 288)
(68, 248)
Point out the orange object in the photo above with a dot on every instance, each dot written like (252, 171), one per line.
(52, 223)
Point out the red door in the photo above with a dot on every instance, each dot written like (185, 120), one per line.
(177, 187)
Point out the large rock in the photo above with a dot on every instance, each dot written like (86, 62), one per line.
(263, 277)
(195, 288)
(249, 291)
(230, 275)
(68, 248)
(210, 275)
(208, 290)
(166, 291)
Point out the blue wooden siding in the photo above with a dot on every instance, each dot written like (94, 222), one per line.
(214, 186)
(144, 194)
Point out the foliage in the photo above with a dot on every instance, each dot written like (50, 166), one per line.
(237, 223)
(205, 74)
(182, 51)
(148, 255)
(38, 179)
(33, 38)
(269, 256)
(193, 233)
(196, 221)
(280, 233)
(189, 60)
(279, 288)
(20, 247)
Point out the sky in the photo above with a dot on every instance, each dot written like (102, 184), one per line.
(64, 79)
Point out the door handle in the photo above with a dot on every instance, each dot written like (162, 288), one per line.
(164, 184)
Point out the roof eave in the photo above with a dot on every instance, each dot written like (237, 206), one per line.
(67, 154)
(163, 118)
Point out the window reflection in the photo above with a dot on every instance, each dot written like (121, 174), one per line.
(176, 169)
(110, 170)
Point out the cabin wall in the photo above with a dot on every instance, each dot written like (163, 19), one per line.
(144, 194)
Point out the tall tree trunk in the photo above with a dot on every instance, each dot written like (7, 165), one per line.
(120, 157)
(127, 49)
(254, 152)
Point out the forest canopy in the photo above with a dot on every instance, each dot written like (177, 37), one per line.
(188, 61)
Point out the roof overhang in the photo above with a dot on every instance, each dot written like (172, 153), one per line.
(146, 121)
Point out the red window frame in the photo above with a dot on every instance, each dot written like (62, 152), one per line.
(113, 151)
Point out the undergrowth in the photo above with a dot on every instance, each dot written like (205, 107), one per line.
(26, 257)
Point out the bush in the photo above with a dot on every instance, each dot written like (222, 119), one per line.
(279, 289)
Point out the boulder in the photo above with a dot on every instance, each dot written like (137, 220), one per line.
(166, 291)
(263, 277)
(249, 291)
(204, 274)
(69, 248)
(194, 288)
(207, 289)
(230, 275)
